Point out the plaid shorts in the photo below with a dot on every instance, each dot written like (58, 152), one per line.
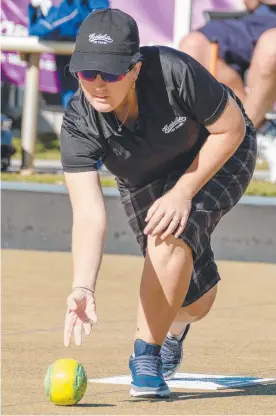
(210, 204)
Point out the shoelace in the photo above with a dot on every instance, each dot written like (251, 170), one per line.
(147, 365)
(171, 350)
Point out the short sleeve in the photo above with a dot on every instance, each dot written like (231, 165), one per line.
(201, 92)
(80, 145)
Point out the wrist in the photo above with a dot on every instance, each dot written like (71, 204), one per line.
(91, 291)
(81, 283)
(185, 189)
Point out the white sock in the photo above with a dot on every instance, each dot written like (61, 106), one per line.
(179, 336)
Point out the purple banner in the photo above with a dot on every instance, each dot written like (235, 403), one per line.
(155, 19)
(14, 22)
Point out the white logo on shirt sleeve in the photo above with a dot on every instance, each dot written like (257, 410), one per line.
(178, 122)
(103, 39)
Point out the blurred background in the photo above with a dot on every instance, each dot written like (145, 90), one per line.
(39, 83)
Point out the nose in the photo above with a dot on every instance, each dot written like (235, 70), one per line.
(100, 83)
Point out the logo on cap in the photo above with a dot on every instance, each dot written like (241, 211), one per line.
(103, 39)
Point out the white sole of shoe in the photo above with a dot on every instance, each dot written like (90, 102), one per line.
(143, 393)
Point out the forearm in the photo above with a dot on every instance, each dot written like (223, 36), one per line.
(88, 237)
(217, 149)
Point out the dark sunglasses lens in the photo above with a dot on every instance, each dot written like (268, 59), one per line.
(91, 75)
(88, 74)
(111, 77)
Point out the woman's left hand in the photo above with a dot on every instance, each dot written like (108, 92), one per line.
(168, 215)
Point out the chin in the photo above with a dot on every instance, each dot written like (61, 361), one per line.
(102, 107)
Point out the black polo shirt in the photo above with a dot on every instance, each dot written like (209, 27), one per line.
(177, 98)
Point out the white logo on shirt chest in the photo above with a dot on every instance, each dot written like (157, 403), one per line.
(103, 39)
(178, 122)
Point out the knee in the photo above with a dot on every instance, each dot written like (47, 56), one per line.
(200, 308)
(208, 302)
(266, 53)
(228, 76)
(195, 44)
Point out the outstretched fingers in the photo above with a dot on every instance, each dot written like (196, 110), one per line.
(70, 321)
(91, 311)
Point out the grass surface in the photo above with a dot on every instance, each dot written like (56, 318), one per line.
(255, 187)
(261, 188)
(55, 179)
(46, 147)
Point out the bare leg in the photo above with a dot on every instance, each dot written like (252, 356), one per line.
(194, 312)
(165, 281)
(231, 78)
(262, 78)
(199, 47)
(261, 83)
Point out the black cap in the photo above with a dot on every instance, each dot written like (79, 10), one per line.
(108, 41)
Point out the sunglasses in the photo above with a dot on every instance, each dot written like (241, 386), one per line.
(91, 75)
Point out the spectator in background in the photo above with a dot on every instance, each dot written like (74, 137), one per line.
(61, 23)
(245, 43)
(7, 148)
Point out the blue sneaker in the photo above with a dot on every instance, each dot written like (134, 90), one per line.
(147, 378)
(172, 354)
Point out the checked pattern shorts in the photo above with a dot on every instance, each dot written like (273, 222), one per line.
(210, 204)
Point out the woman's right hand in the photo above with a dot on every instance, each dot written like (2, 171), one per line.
(80, 314)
